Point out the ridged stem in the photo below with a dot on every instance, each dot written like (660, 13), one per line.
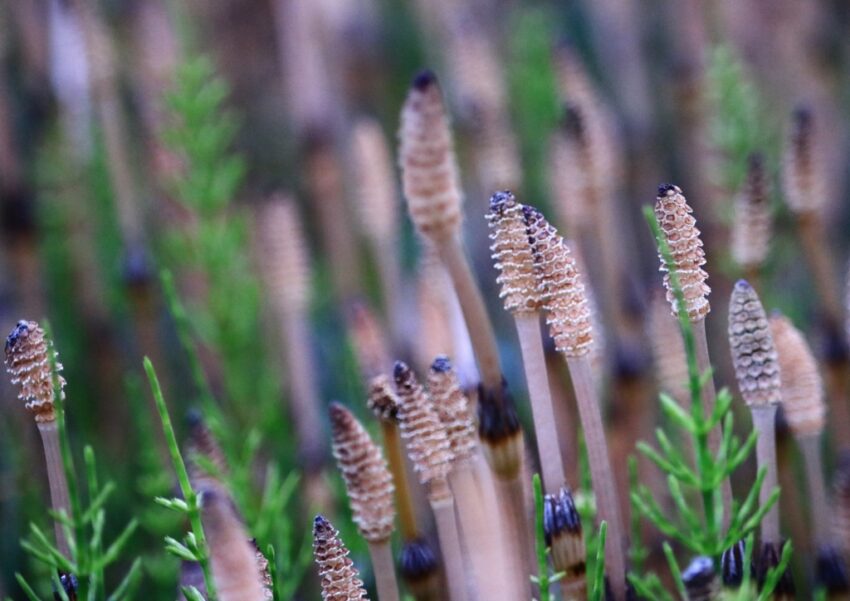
(383, 567)
(764, 421)
(395, 461)
(56, 479)
(601, 473)
(518, 551)
(480, 532)
(709, 395)
(443, 507)
(820, 515)
(480, 329)
(537, 380)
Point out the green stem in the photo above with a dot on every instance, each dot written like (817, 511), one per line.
(189, 494)
(705, 460)
(540, 540)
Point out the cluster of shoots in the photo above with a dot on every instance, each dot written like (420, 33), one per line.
(448, 495)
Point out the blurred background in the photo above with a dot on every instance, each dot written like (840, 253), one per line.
(213, 184)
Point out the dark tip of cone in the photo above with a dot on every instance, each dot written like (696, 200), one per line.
(755, 160)
(21, 328)
(664, 189)
(699, 574)
(320, 522)
(336, 410)
(417, 560)
(424, 79)
(499, 200)
(400, 371)
(832, 570)
(572, 121)
(194, 418)
(441, 364)
(742, 285)
(732, 565)
(802, 114)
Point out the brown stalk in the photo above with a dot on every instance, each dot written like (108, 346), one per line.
(757, 370)
(675, 217)
(430, 451)
(206, 463)
(668, 351)
(568, 317)
(483, 542)
(233, 557)
(378, 206)
(434, 302)
(28, 361)
(753, 223)
(339, 578)
(370, 493)
(286, 269)
(368, 338)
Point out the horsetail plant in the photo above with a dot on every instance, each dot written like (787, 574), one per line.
(369, 484)
(568, 318)
(79, 558)
(702, 534)
(430, 452)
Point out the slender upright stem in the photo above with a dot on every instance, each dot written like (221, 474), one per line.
(821, 517)
(600, 470)
(474, 311)
(395, 460)
(384, 569)
(764, 421)
(443, 506)
(481, 535)
(519, 549)
(537, 379)
(709, 395)
(820, 263)
(56, 479)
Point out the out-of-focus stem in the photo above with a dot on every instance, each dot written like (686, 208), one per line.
(708, 397)
(474, 311)
(481, 534)
(384, 570)
(820, 514)
(518, 552)
(764, 421)
(442, 504)
(395, 460)
(534, 363)
(600, 469)
(819, 260)
(56, 478)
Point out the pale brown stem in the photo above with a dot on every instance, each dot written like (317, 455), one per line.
(304, 398)
(518, 548)
(480, 533)
(604, 487)
(395, 460)
(838, 387)
(443, 506)
(764, 421)
(391, 286)
(56, 479)
(818, 257)
(537, 379)
(709, 395)
(820, 514)
(474, 311)
(383, 567)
